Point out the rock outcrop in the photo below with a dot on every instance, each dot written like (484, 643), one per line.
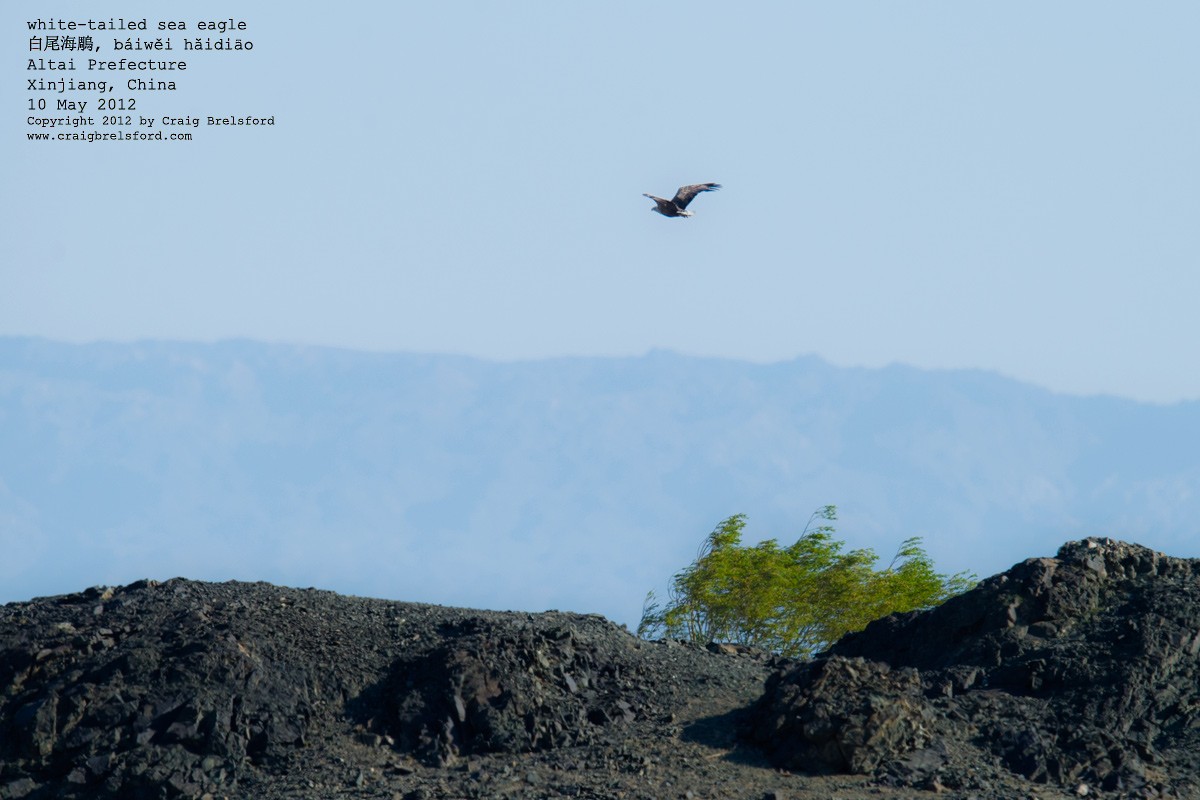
(1077, 671)
(843, 715)
(203, 690)
(491, 687)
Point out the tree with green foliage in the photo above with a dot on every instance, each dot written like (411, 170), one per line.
(794, 600)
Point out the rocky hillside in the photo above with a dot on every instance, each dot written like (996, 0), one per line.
(187, 689)
(1078, 671)
(1060, 677)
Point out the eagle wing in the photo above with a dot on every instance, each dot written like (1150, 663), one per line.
(660, 202)
(686, 193)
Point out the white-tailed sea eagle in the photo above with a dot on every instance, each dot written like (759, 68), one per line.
(677, 206)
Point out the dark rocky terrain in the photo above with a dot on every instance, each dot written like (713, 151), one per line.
(1072, 676)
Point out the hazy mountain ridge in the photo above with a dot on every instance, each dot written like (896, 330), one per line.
(575, 483)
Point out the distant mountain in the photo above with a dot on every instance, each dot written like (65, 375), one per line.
(574, 483)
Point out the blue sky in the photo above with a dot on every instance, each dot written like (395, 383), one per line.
(1008, 187)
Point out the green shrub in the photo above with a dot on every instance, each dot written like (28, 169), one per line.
(794, 600)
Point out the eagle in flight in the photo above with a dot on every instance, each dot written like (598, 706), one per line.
(677, 206)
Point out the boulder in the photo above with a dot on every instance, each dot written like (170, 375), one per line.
(842, 715)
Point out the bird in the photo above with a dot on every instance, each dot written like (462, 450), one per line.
(677, 206)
